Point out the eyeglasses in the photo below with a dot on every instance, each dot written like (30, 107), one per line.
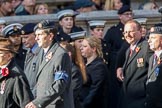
(128, 32)
(127, 14)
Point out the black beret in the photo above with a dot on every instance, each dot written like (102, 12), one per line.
(124, 9)
(61, 36)
(27, 28)
(156, 30)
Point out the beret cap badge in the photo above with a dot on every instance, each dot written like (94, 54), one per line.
(22, 32)
(40, 25)
(15, 28)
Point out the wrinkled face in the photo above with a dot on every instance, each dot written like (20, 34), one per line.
(16, 39)
(131, 33)
(42, 38)
(5, 57)
(28, 40)
(29, 2)
(155, 42)
(67, 22)
(7, 7)
(86, 50)
(117, 4)
(42, 10)
(126, 17)
(97, 32)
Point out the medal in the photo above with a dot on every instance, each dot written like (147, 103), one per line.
(3, 84)
(2, 92)
(140, 62)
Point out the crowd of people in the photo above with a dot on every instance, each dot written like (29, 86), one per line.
(45, 65)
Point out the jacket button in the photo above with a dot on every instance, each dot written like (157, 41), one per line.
(145, 103)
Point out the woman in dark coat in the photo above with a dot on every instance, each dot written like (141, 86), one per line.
(94, 90)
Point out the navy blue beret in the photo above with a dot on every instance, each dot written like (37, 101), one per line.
(82, 3)
(27, 28)
(124, 9)
(61, 36)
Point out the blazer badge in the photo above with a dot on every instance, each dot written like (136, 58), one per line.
(140, 62)
(49, 56)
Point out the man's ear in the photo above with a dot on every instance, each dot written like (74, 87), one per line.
(52, 36)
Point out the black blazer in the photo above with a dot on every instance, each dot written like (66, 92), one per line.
(17, 92)
(135, 74)
(92, 93)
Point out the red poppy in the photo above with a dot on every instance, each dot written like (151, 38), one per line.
(5, 71)
(137, 49)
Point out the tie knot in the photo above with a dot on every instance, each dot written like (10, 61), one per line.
(130, 52)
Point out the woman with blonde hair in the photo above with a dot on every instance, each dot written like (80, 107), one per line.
(94, 90)
(41, 9)
(113, 4)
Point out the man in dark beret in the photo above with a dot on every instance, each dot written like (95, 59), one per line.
(54, 71)
(30, 67)
(12, 31)
(154, 79)
(14, 88)
(114, 39)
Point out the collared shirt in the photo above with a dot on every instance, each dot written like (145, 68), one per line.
(132, 47)
(3, 66)
(33, 49)
(158, 53)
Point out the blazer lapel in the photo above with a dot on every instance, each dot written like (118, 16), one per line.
(126, 59)
(45, 60)
(135, 52)
(151, 67)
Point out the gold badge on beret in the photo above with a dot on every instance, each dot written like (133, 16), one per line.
(15, 28)
(140, 62)
(40, 25)
(22, 32)
(62, 39)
